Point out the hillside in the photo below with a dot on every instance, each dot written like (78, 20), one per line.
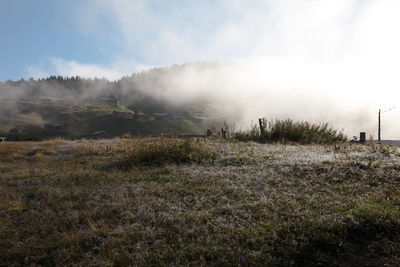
(37, 120)
(172, 202)
(74, 107)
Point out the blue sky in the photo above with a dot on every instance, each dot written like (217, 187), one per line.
(34, 33)
(112, 38)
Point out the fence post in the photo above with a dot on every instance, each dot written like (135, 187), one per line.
(362, 138)
(260, 122)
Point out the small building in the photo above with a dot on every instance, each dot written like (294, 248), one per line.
(162, 116)
(140, 116)
(99, 134)
(2, 139)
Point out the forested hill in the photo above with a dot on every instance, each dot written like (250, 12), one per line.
(153, 95)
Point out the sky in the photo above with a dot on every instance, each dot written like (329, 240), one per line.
(104, 38)
(112, 38)
(343, 54)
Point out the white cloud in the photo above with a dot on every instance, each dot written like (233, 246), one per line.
(72, 68)
(335, 60)
(242, 28)
(36, 72)
(59, 66)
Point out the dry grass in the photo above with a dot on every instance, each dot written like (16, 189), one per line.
(67, 203)
(290, 131)
(158, 151)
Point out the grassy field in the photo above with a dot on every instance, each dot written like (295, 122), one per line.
(162, 201)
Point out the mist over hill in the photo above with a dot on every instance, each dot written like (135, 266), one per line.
(139, 104)
(148, 90)
(205, 93)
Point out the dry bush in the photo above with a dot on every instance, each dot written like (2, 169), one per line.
(158, 151)
(291, 131)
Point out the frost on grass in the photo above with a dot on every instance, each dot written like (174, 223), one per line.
(159, 151)
(252, 204)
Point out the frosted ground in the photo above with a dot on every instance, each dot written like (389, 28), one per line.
(99, 202)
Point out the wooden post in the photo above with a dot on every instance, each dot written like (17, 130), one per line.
(362, 137)
(223, 133)
(260, 121)
(379, 125)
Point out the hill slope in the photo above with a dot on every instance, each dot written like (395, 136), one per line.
(83, 106)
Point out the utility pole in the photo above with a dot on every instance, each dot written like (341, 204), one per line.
(379, 125)
(379, 121)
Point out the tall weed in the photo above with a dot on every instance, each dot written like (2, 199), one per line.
(157, 151)
(290, 131)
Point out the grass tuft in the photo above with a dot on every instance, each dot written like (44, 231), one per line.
(163, 150)
(283, 131)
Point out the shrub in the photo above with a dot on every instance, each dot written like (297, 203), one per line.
(157, 151)
(290, 131)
